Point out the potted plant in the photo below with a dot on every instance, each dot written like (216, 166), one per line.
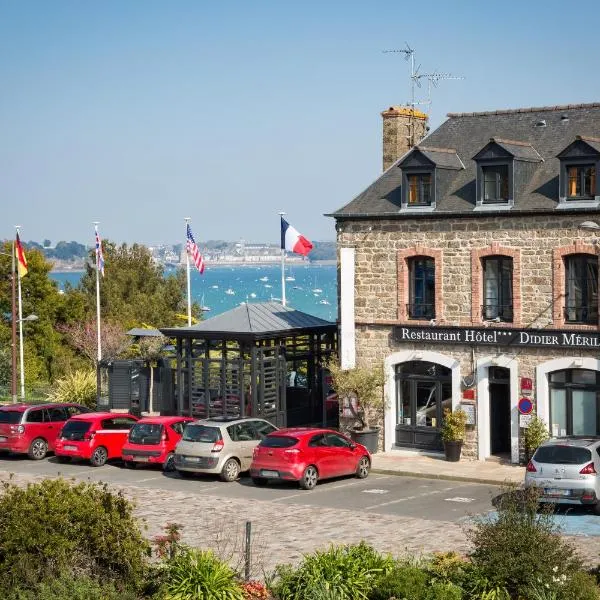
(362, 387)
(535, 433)
(453, 433)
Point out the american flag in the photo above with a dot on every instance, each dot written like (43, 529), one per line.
(99, 255)
(193, 251)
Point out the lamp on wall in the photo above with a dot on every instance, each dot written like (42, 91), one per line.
(418, 355)
(577, 363)
(589, 225)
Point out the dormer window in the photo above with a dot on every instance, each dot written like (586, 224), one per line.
(578, 182)
(419, 189)
(495, 184)
(581, 181)
(420, 170)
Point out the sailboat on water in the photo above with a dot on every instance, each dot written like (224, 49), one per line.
(203, 306)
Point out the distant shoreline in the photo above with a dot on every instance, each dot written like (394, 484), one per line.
(324, 263)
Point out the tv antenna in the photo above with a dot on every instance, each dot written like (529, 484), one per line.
(433, 80)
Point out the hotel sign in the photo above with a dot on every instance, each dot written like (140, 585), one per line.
(487, 336)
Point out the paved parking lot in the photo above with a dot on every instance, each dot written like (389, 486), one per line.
(393, 513)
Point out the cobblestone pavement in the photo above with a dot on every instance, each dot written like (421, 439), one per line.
(283, 532)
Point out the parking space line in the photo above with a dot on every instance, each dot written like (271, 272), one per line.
(407, 498)
(327, 488)
(148, 479)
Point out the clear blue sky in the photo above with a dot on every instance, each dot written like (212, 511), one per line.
(140, 113)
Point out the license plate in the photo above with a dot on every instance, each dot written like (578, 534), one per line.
(140, 458)
(193, 458)
(556, 492)
(70, 448)
(3, 438)
(266, 473)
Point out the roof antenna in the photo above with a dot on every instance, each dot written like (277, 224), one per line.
(433, 79)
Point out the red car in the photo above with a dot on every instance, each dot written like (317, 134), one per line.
(307, 455)
(152, 440)
(96, 437)
(32, 428)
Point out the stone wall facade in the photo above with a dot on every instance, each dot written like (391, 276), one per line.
(537, 245)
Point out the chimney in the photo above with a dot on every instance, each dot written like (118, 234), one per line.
(403, 128)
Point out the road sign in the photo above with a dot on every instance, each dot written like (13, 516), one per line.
(525, 406)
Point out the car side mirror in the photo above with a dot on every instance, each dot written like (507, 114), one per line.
(352, 446)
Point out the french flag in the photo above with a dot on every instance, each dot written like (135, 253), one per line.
(292, 241)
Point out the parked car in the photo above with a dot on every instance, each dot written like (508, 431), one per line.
(32, 429)
(306, 455)
(221, 445)
(152, 440)
(566, 471)
(97, 437)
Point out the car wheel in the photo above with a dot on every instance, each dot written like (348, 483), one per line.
(259, 481)
(99, 457)
(169, 464)
(38, 449)
(309, 478)
(231, 470)
(129, 464)
(63, 459)
(596, 508)
(364, 466)
(185, 474)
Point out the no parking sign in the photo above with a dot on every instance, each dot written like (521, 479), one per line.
(525, 406)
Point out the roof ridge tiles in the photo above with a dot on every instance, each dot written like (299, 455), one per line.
(587, 138)
(433, 149)
(511, 142)
(532, 109)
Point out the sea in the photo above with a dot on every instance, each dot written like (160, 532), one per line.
(309, 288)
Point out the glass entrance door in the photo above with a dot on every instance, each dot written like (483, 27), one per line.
(423, 390)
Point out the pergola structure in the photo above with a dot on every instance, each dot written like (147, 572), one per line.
(264, 360)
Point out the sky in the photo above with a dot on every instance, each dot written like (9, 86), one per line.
(137, 114)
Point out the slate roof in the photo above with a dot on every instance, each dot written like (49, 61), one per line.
(253, 320)
(469, 133)
(143, 332)
(445, 158)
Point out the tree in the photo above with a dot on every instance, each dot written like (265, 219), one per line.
(83, 337)
(46, 243)
(134, 289)
(150, 349)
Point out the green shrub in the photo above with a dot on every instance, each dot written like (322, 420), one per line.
(454, 425)
(54, 528)
(79, 387)
(580, 586)
(534, 435)
(521, 546)
(193, 574)
(344, 572)
(66, 587)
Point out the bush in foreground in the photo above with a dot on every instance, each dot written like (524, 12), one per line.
(54, 530)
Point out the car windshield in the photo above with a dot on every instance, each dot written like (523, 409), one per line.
(10, 416)
(75, 430)
(562, 455)
(201, 433)
(145, 433)
(278, 441)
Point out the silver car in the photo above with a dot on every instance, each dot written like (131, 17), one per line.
(566, 471)
(220, 445)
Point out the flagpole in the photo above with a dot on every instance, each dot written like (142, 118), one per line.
(98, 328)
(281, 214)
(187, 270)
(21, 354)
(14, 326)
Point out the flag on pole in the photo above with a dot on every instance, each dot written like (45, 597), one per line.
(193, 250)
(99, 255)
(20, 256)
(292, 241)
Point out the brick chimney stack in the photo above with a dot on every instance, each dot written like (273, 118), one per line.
(403, 127)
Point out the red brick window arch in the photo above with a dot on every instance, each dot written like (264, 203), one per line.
(575, 285)
(419, 285)
(496, 285)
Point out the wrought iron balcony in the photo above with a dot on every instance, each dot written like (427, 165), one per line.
(419, 310)
(497, 312)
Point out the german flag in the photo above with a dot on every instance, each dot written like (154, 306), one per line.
(20, 256)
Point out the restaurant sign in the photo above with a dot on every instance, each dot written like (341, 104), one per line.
(487, 336)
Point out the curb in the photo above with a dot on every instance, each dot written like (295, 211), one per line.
(464, 478)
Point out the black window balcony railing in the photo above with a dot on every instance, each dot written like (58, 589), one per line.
(497, 312)
(419, 310)
(583, 313)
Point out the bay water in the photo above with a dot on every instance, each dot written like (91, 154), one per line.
(309, 288)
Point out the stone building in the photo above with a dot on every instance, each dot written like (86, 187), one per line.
(469, 269)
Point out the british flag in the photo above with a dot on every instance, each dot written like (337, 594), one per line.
(99, 255)
(193, 250)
